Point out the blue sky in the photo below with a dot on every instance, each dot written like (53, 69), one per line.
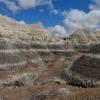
(53, 14)
(43, 14)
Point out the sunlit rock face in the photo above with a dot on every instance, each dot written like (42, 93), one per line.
(19, 42)
(83, 37)
(14, 30)
(27, 51)
(23, 43)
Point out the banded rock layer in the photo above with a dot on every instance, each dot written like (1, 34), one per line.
(25, 51)
(83, 37)
(23, 43)
(14, 30)
(16, 54)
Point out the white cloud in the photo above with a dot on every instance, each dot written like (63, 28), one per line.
(26, 4)
(95, 5)
(55, 11)
(57, 30)
(10, 5)
(77, 19)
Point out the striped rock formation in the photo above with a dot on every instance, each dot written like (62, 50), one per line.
(23, 43)
(19, 43)
(14, 30)
(83, 37)
(26, 52)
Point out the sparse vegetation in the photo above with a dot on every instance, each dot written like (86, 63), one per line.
(73, 80)
(16, 83)
(87, 67)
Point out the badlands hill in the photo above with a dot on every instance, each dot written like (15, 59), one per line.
(23, 43)
(34, 65)
(14, 30)
(23, 46)
(83, 37)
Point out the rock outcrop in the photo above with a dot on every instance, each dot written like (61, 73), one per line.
(14, 30)
(82, 39)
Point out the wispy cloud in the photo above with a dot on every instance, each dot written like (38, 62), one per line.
(26, 4)
(55, 11)
(12, 6)
(95, 5)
